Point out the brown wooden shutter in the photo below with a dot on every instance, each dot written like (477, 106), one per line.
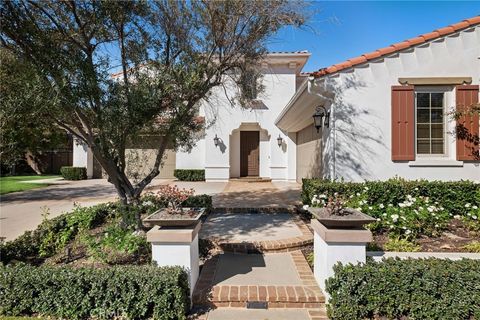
(403, 123)
(467, 125)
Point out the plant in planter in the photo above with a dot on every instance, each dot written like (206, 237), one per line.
(174, 214)
(335, 214)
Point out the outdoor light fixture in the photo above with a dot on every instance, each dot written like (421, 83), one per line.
(279, 140)
(215, 140)
(320, 113)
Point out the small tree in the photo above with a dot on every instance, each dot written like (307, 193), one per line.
(169, 56)
(463, 133)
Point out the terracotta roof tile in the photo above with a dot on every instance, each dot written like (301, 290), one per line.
(398, 46)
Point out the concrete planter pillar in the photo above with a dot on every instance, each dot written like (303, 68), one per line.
(177, 247)
(337, 245)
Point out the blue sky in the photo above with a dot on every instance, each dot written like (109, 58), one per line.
(346, 29)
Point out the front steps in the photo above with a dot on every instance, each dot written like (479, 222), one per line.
(255, 291)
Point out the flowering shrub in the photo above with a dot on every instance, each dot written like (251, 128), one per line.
(405, 209)
(407, 219)
(174, 197)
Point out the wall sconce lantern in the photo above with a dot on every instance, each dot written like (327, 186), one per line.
(320, 113)
(216, 140)
(279, 141)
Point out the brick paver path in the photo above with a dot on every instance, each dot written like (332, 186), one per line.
(240, 194)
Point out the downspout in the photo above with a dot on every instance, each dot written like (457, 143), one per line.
(311, 90)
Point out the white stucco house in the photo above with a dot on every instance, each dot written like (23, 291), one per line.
(384, 116)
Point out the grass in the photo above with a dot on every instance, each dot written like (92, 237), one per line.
(17, 183)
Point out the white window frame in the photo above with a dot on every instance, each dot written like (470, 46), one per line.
(446, 91)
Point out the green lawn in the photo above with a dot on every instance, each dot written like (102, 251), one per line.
(17, 183)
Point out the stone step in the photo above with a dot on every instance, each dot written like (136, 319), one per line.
(251, 179)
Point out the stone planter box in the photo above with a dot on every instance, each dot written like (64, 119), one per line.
(353, 218)
(163, 218)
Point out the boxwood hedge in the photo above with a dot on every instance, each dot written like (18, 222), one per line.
(451, 195)
(74, 173)
(406, 289)
(189, 174)
(116, 292)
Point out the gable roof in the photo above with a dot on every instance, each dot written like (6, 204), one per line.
(398, 47)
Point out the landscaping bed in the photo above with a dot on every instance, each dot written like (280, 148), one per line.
(411, 215)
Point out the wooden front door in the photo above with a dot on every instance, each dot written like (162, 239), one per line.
(249, 153)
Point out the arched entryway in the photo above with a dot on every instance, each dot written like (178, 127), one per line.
(249, 151)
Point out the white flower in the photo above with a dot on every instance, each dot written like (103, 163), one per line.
(430, 209)
(404, 228)
(351, 196)
(305, 207)
(147, 203)
(474, 217)
(323, 196)
(395, 217)
(416, 189)
(467, 205)
(408, 231)
(390, 205)
(370, 208)
(401, 205)
(366, 188)
(378, 219)
(436, 226)
(385, 214)
(381, 206)
(358, 194)
(474, 207)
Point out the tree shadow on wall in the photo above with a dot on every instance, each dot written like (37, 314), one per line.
(359, 142)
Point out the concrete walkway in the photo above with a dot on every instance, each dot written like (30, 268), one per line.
(244, 314)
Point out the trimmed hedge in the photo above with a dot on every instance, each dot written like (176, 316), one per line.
(117, 292)
(406, 289)
(451, 195)
(189, 174)
(74, 173)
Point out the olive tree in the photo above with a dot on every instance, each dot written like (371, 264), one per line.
(166, 57)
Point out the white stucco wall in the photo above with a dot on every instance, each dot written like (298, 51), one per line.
(82, 157)
(223, 162)
(358, 144)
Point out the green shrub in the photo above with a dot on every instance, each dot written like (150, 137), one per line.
(53, 234)
(107, 293)
(453, 196)
(74, 173)
(150, 202)
(406, 289)
(401, 245)
(189, 174)
(473, 246)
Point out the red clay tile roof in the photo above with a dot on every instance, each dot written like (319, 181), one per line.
(398, 46)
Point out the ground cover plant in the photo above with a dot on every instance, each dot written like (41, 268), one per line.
(406, 289)
(101, 234)
(10, 184)
(411, 215)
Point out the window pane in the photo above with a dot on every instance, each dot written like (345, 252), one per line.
(423, 131)
(423, 146)
(423, 116)
(423, 100)
(437, 100)
(437, 115)
(437, 131)
(437, 146)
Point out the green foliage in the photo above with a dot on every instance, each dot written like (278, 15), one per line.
(74, 173)
(473, 246)
(53, 234)
(114, 292)
(401, 245)
(114, 244)
(151, 202)
(189, 174)
(452, 195)
(414, 289)
(404, 209)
